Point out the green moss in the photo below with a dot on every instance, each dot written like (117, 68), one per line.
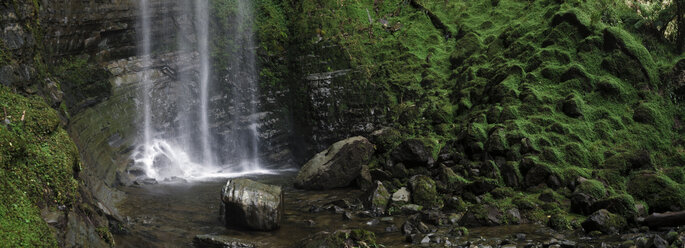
(592, 188)
(424, 192)
(659, 192)
(38, 164)
(505, 82)
(559, 222)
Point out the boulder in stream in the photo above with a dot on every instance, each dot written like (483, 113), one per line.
(337, 166)
(253, 205)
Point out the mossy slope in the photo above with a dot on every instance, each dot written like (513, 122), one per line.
(559, 89)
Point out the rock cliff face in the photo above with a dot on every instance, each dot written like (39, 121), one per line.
(105, 30)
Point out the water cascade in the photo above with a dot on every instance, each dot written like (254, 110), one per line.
(183, 143)
(242, 77)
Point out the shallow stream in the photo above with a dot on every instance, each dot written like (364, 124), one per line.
(171, 214)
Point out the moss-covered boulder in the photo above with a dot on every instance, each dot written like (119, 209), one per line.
(659, 192)
(592, 188)
(337, 166)
(604, 221)
(385, 139)
(377, 199)
(623, 205)
(424, 192)
(559, 222)
(587, 192)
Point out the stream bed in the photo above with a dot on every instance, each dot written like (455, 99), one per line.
(172, 214)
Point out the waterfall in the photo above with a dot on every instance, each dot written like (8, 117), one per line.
(147, 84)
(243, 78)
(178, 136)
(202, 27)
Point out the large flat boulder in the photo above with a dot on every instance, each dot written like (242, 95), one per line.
(253, 205)
(337, 166)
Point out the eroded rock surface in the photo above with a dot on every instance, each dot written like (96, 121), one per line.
(253, 205)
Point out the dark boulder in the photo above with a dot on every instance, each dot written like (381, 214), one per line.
(337, 166)
(536, 175)
(510, 175)
(481, 186)
(413, 153)
(481, 216)
(253, 205)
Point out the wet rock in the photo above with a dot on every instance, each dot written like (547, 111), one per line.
(452, 181)
(79, 232)
(219, 241)
(373, 222)
(380, 175)
(402, 195)
(364, 181)
(481, 216)
(347, 216)
(392, 228)
(424, 192)
(337, 166)
(411, 208)
(604, 221)
(481, 186)
(408, 228)
(398, 170)
(536, 175)
(581, 203)
(413, 153)
(377, 199)
(145, 181)
(250, 204)
(513, 216)
(659, 242)
(510, 175)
